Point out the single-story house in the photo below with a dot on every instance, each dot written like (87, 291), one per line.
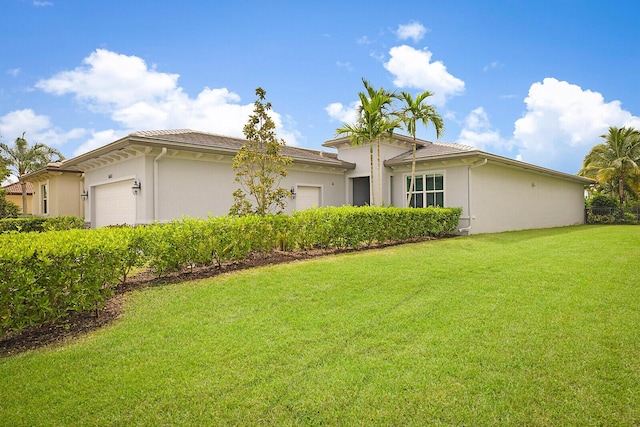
(163, 175)
(13, 193)
(56, 190)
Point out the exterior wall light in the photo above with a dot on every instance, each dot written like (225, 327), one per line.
(135, 188)
(292, 192)
(84, 194)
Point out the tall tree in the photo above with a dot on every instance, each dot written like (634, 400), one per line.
(617, 160)
(4, 169)
(259, 165)
(414, 111)
(23, 159)
(374, 121)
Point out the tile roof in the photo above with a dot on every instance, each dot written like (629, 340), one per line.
(16, 188)
(433, 149)
(197, 138)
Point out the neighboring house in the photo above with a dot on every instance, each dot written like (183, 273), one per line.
(164, 175)
(14, 195)
(56, 191)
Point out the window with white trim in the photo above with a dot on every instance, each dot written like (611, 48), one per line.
(45, 198)
(428, 190)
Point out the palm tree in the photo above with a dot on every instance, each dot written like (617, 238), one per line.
(617, 160)
(23, 159)
(414, 111)
(381, 102)
(373, 122)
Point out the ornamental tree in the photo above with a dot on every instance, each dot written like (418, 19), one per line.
(259, 165)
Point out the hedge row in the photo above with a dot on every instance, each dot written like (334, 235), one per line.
(46, 276)
(30, 224)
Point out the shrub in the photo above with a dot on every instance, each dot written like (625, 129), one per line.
(350, 227)
(629, 218)
(7, 209)
(22, 224)
(45, 276)
(28, 224)
(58, 223)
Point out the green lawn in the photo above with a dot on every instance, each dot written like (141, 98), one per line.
(525, 328)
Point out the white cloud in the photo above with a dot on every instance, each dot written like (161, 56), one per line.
(495, 65)
(413, 68)
(413, 30)
(111, 80)
(140, 98)
(563, 121)
(42, 3)
(345, 114)
(13, 72)
(99, 139)
(38, 129)
(478, 132)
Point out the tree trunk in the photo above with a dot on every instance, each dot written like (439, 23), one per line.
(413, 173)
(379, 171)
(23, 187)
(372, 181)
(621, 189)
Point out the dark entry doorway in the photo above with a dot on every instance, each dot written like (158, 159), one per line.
(361, 191)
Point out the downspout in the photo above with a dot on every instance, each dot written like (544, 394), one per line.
(484, 162)
(156, 186)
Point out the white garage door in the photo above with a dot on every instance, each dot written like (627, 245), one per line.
(307, 197)
(115, 204)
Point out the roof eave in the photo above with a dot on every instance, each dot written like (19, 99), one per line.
(498, 159)
(159, 142)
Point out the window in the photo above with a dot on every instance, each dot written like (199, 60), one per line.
(428, 190)
(45, 198)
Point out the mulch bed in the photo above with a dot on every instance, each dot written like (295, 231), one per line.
(78, 324)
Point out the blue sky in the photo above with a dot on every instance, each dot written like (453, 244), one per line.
(537, 81)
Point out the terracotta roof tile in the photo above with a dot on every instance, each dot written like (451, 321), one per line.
(16, 188)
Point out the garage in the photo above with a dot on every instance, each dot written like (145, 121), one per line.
(307, 197)
(114, 204)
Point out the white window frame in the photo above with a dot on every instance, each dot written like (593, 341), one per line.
(45, 206)
(425, 192)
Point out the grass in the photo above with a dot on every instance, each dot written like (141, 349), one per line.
(524, 328)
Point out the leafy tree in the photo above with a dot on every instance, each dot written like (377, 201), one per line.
(23, 159)
(259, 165)
(374, 121)
(616, 162)
(414, 111)
(4, 169)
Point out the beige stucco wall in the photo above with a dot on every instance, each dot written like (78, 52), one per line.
(505, 198)
(17, 199)
(64, 195)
